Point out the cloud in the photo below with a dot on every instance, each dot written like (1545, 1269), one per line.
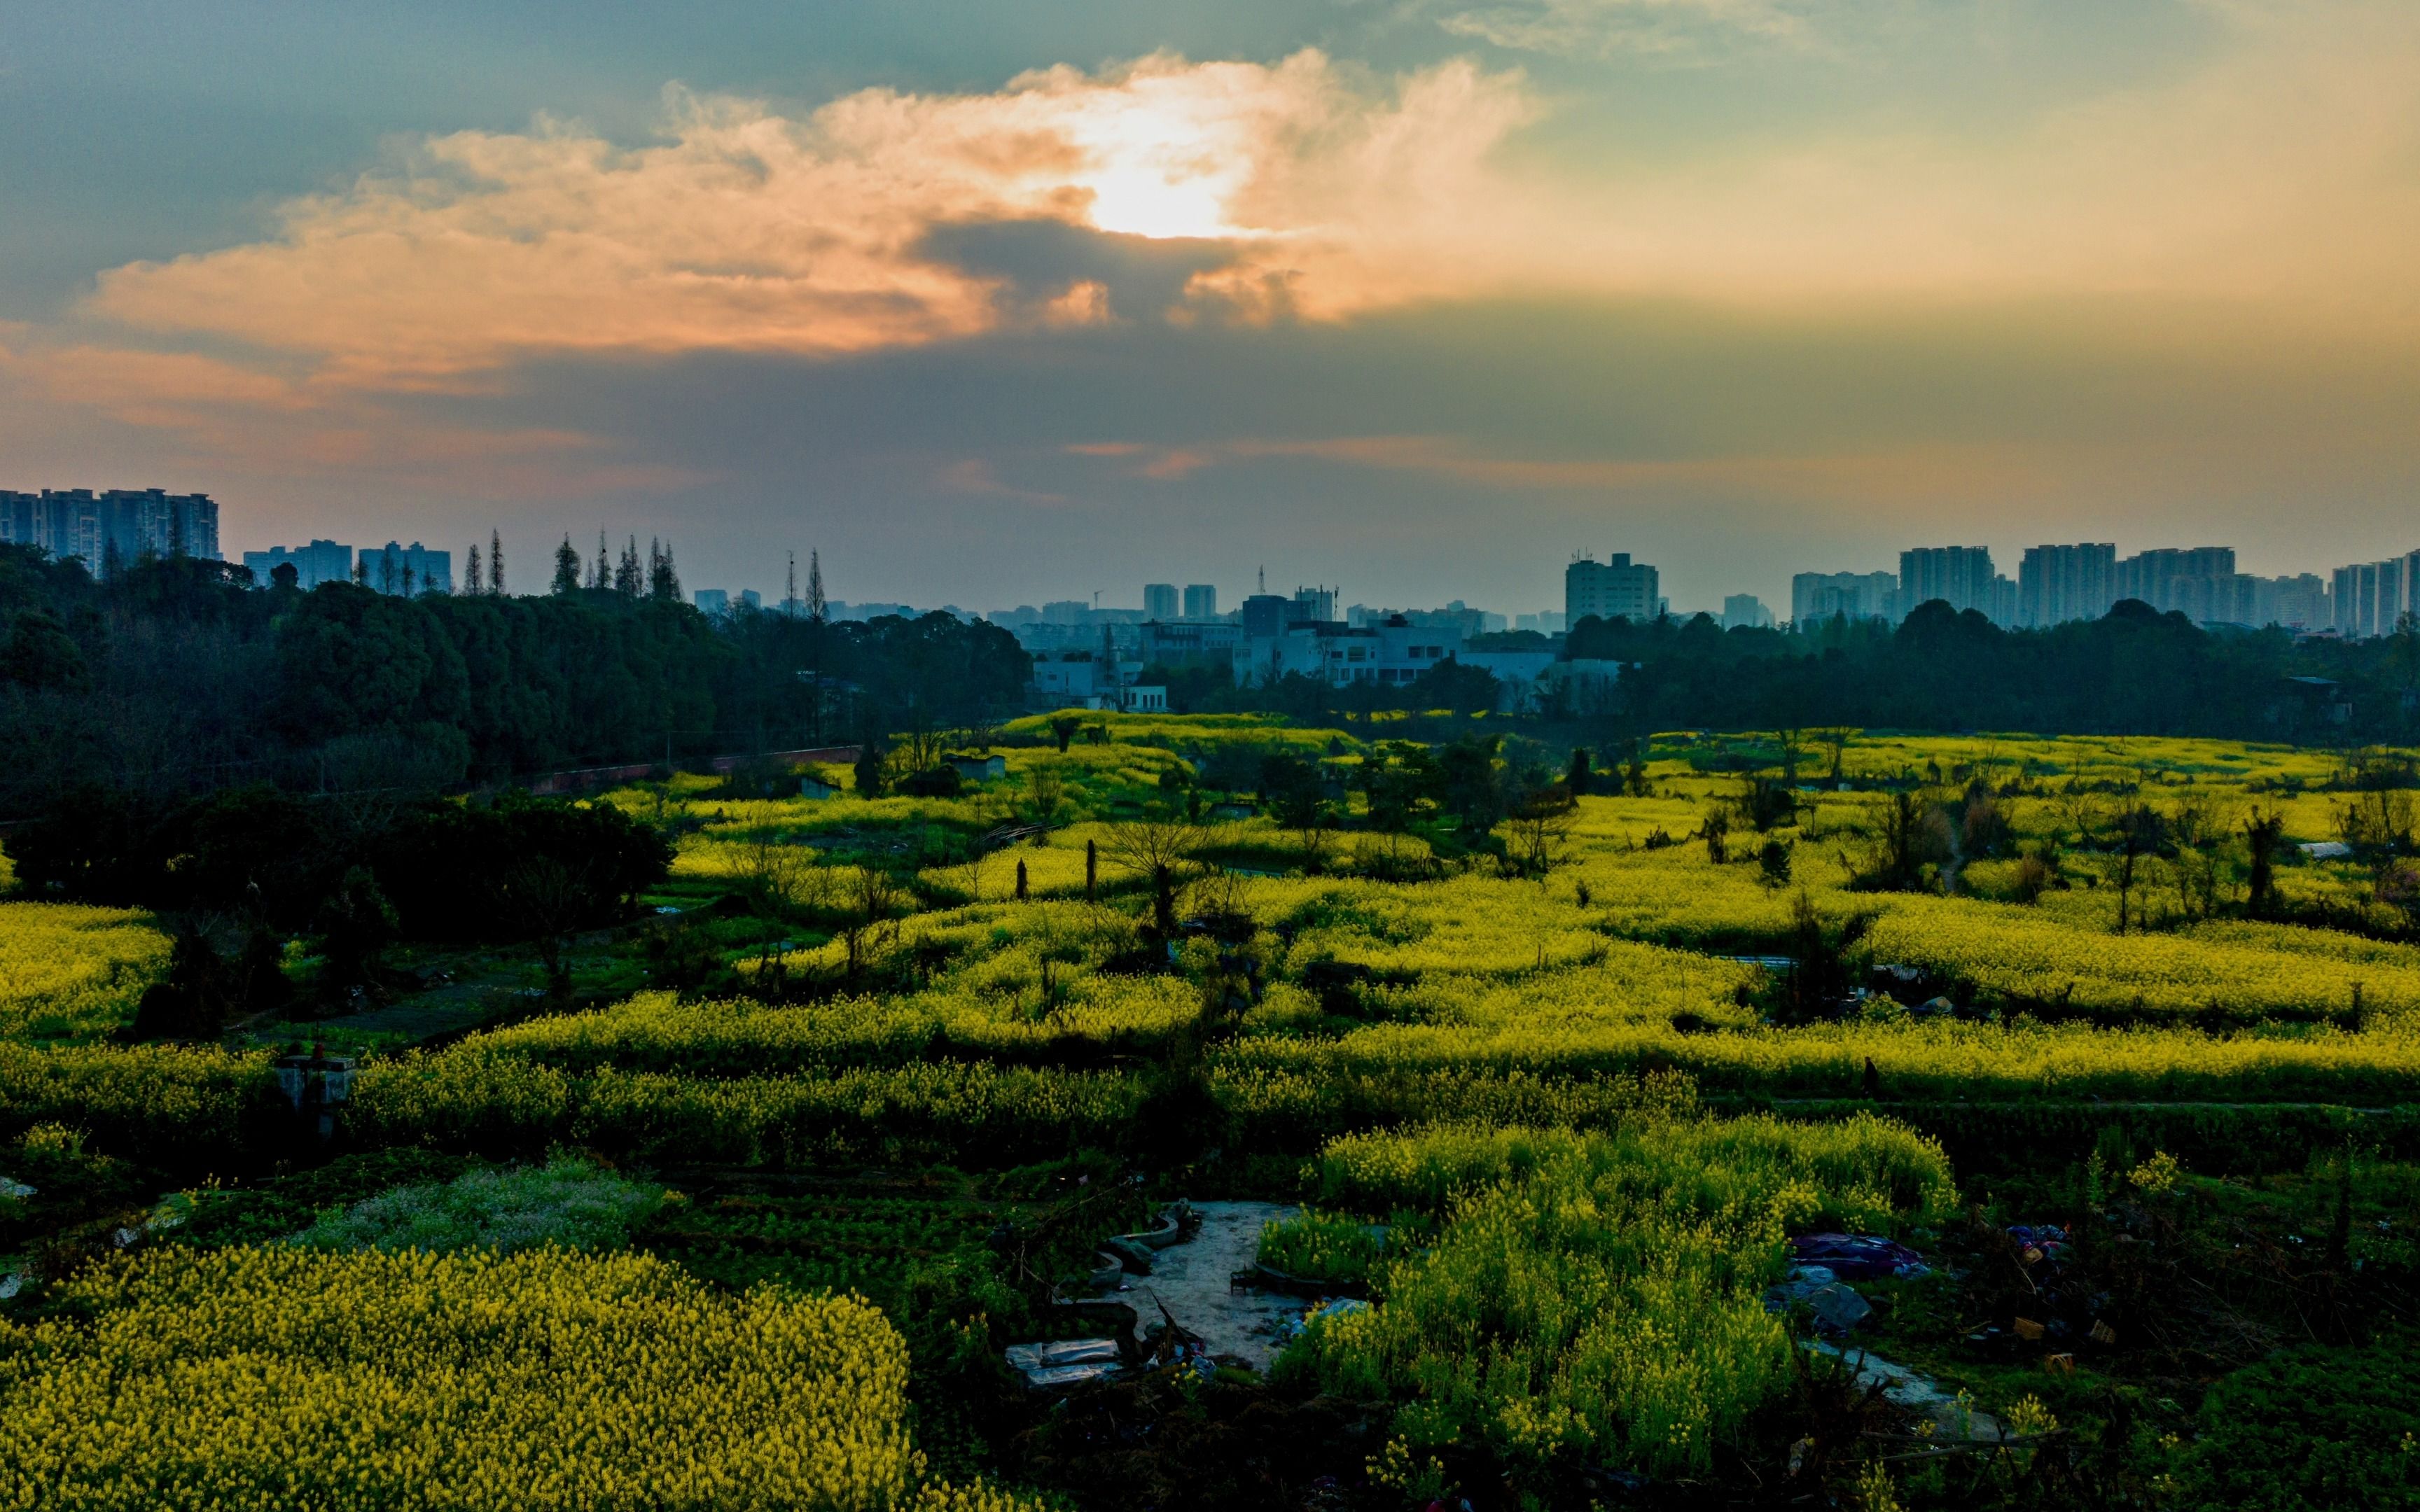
(745, 230)
(1904, 473)
(390, 325)
(1599, 28)
(2280, 172)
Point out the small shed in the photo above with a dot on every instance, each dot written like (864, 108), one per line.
(811, 786)
(978, 768)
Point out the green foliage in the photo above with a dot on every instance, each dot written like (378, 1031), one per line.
(286, 1205)
(567, 1201)
(1600, 1295)
(2309, 1429)
(1327, 1246)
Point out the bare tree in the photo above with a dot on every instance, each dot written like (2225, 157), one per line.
(2261, 834)
(1161, 848)
(2141, 833)
(780, 880)
(545, 899)
(873, 899)
(1536, 832)
(967, 871)
(1046, 785)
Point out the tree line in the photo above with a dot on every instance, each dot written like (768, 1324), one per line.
(2134, 670)
(179, 675)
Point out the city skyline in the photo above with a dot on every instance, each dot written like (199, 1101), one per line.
(1742, 288)
(2054, 582)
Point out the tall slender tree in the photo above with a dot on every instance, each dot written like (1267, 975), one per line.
(627, 579)
(601, 574)
(663, 583)
(474, 575)
(496, 561)
(567, 568)
(817, 609)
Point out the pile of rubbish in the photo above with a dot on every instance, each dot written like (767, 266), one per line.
(1837, 1308)
(1294, 1328)
(2065, 1312)
(1860, 1257)
(1825, 1263)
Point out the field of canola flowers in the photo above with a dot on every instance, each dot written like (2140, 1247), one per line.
(280, 1377)
(1513, 1064)
(71, 972)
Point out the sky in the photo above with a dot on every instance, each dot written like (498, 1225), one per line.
(995, 303)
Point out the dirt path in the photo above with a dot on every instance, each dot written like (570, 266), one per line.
(1190, 1280)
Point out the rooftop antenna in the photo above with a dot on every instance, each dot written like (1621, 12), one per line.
(1264, 579)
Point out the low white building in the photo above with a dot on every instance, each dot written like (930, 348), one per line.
(1080, 680)
(1389, 654)
(1518, 672)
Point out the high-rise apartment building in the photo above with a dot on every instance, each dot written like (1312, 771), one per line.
(410, 569)
(1745, 611)
(1200, 601)
(2370, 598)
(1818, 596)
(2059, 583)
(1616, 589)
(322, 562)
(2298, 602)
(1961, 575)
(1159, 601)
(111, 529)
(2155, 576)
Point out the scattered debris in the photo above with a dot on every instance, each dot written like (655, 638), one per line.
(14, 1189)
(1189, 1256)
(1837, 1308)
(1860, 1257)
(1953, 1417)
(1260, 1277)
(1294, 1328)
(1056, 1366)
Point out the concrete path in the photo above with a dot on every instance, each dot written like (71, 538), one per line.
(1190, 1279)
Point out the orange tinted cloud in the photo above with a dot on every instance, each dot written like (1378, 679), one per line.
(1901, 475)
(2281, 171)
(750, 231)
(2276, 180)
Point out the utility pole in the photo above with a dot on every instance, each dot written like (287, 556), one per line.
(790, 593)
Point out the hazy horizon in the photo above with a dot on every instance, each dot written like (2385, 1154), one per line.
(994, 305)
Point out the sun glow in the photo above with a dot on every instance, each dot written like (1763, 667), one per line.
(1163, 166)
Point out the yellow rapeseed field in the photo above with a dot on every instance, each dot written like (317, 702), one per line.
(282, 1377)
(69, 971)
